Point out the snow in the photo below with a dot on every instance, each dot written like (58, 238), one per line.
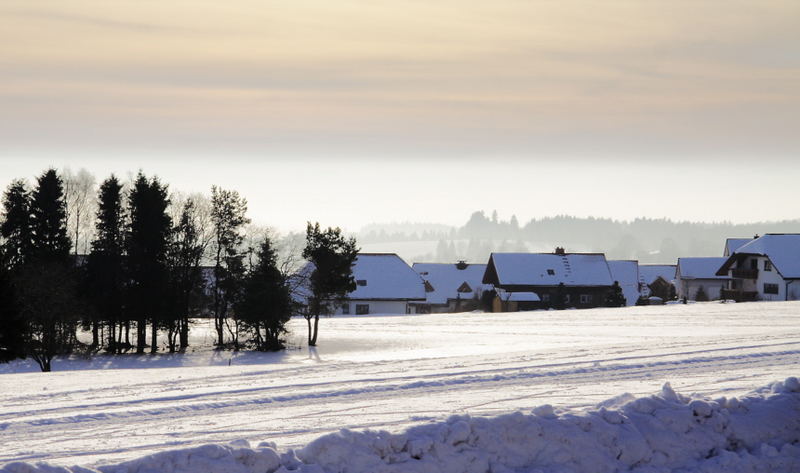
(447, 278)
(701, 268)
(534, 269)
(583, 379)
(782, 249)
(626, 272)
(651, 272)
(662, 432)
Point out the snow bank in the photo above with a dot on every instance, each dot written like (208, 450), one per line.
(666, 432)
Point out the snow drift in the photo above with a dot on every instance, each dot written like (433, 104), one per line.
(667, 432)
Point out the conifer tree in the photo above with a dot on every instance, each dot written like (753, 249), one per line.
(265, 307)
(185, 255)
(146, 241)
(16, 226)
(46, 285)
(331, 257)
(228, 215)
(106, 278)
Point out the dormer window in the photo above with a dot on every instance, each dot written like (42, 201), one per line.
(464, 288)
(551, 272)
(361, 282)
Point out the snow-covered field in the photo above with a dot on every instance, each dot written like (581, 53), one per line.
(396, 372)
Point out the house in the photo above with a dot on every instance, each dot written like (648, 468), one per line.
(766, 268)
(733, 244)
(558, 279)
(626, 272)
(658, 280)
(695, 276)
(385, 284)
(505, 301)
(450, 287)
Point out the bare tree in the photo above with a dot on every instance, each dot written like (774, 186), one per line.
(79, 195)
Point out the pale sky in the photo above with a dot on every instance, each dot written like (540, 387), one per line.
(350, 112)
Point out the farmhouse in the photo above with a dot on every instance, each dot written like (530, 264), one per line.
(558, 279)
(450, 287)
(766, 268)
(698, 276)
(658, 280)
(626, 272)
(385, 284)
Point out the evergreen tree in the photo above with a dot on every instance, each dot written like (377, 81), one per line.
(48, 219)
(331, 273)
(105, 270)
(228, 215)
(185, 254)
(146, 242)
(266, 304)
(16, 226)
(700, 295)
(46, 284)
(616, 298)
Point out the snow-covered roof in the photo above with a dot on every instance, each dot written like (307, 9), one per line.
(783, 250)
(518, 296)
(626, 272)
(381, 276)
(651, 272)
(451, 281)
(548, 269)
(733, 244)
(701, 268)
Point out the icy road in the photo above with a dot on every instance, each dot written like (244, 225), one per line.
(388, 372)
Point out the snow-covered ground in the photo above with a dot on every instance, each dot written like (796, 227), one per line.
(397, 372)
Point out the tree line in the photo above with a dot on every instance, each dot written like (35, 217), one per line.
(154, 263)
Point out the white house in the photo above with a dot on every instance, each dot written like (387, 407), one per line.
(767, 268)
(626, 273)
(695, 273)
(450, 287)
(385, 284)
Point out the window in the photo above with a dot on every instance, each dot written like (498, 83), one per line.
(566, 298)
(586, 298)
(753, 264)
(362, 309)
(770, 288)
(767, 265)
(345, 308)
(361, 282)
(545, 297)
(551, 272)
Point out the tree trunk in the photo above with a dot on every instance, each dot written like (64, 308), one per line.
(95, 335)
(141, 335)
(313, 341)
(154, 336)
(184, 333)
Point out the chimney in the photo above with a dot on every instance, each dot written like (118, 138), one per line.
(461, 264)
(560, 250)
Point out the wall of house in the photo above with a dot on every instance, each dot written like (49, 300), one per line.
(377, 307)
(768, 277)
(687, 288)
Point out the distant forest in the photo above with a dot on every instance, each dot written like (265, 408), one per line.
(647, 240)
